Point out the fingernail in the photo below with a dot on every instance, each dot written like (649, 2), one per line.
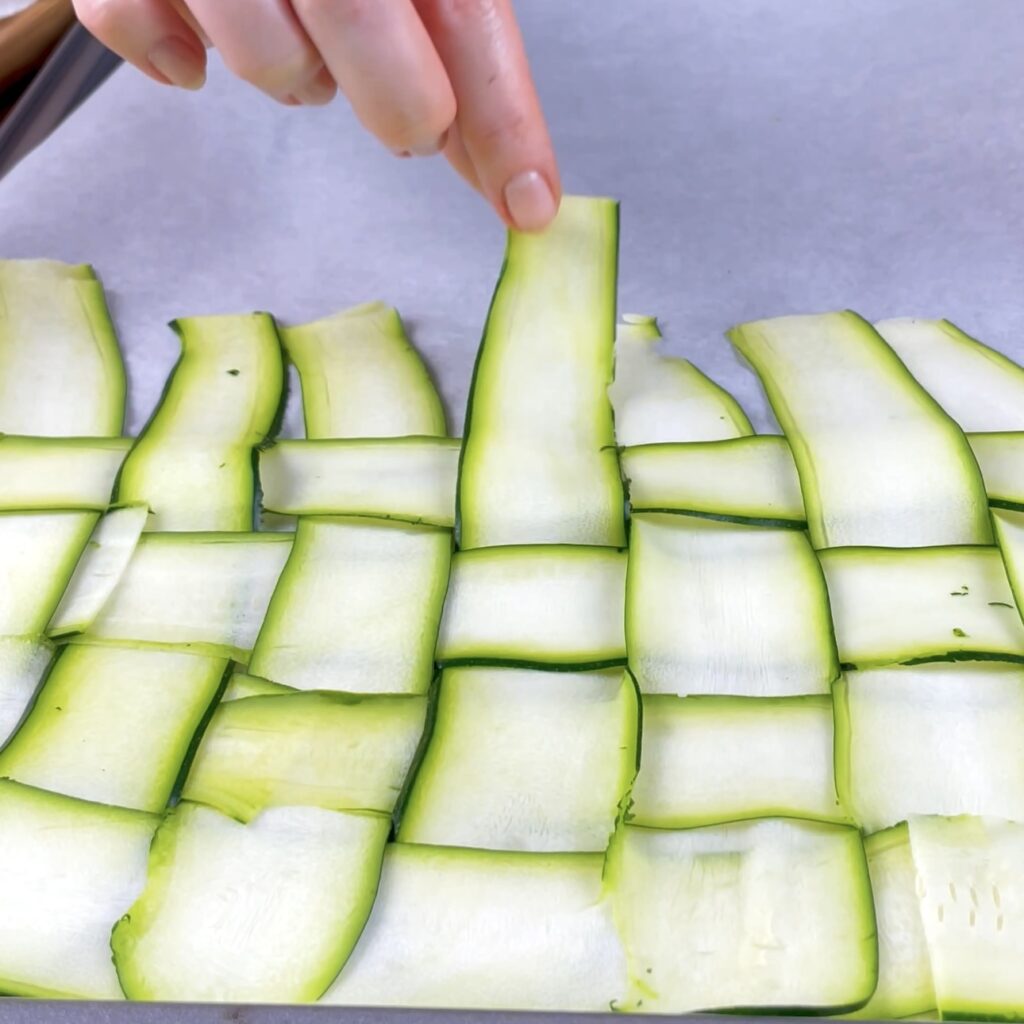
(176, 61)
(320, 89)
(430, 148)
(530, 202)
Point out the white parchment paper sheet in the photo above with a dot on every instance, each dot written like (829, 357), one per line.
(771, 157)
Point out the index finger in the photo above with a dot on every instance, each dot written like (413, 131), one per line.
(499, 117)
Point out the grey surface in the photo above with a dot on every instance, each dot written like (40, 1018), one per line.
(771, 157)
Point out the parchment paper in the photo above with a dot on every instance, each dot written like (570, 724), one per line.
(771, 157)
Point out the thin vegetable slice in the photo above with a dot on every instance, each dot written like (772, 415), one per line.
(1009, 528)
(23, 662)
(242, 685)
(68, 870)
(361, 377)
(660, 398)
(207, 592)
(972, 905)
(357, 608)
(905, 604)
(715, 759)
(482, 930)
(883, 465)
(554, 605)
(113, 724)
(773, 914)
(978, 386)
(99, 570)
(538, 461)
(525, 760)
(59, 472)
(721, 608)
(930, 739)
(409, 478)
(1001, 460)
(38, 555)
(193, 462)
(325, 750)
(61, 373)
(748, 479)
(263, 912)
(905, 986)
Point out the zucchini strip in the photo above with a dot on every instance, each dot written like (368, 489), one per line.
(892, 605)
(1009, 528)
(357, 608)
(538, 460)
(518, 931)
(930, 739)
(1001, 460)
(748, 479)
(880, 463)
(260, 912)
(405, 478)
(707, 760)
(41, 473)
(68, 870)
(979, 387)
(971, 903)
(99, 570)
(525, 760)
(23, 663)
(721, 608)
(659, 398)
(113, 724)
(192, 464)
(204, 592)
(61, 373)
(361, 377)
(543, 605)
(327, 750)
(905, 986)
(773, 914)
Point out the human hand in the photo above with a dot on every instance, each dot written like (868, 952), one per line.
(424, 76)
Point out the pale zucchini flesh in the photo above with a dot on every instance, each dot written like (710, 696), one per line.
(707, 760)
(1001, 460)
(905, 985)
(720, 608)
(972, 906)
(476, 929)
(99, 570)
(23, 663)
(538, 460)
(68, 870)
(407, 478)
(261, 912)
(545, 605)
(904, 604)
(325, 750)
(747, 479)
(61, 373)
(1009, 528)
(659, 398)
(774, 914)
(113, 724)
(242, 685)
(361, 377)
(930, 739)
(357, 608)
(192, 464)
(979, 387)
(525, 760)
(883, 466)
(59, 472)
(205, 592)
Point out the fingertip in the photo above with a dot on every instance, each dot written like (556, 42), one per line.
(529, 201)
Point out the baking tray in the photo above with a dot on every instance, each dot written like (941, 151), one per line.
(771, 157)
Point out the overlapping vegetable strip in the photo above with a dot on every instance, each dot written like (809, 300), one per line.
(929, 712)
